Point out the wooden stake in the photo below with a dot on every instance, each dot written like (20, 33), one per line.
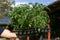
(49, 32)
(28, 37)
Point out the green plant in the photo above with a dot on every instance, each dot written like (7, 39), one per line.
(28, 16)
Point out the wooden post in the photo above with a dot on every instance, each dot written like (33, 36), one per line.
(49, 32)
(28, 38)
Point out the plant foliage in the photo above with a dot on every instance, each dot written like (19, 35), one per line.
(5, 7)
(28, 16)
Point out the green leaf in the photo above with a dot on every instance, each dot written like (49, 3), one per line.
(25, 17)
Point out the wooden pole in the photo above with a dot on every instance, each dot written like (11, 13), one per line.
(49, 32)
(28, 37)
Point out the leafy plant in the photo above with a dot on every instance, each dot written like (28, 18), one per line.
(5, 7)
(28, 16)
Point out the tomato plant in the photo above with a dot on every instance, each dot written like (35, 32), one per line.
(28, 16)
